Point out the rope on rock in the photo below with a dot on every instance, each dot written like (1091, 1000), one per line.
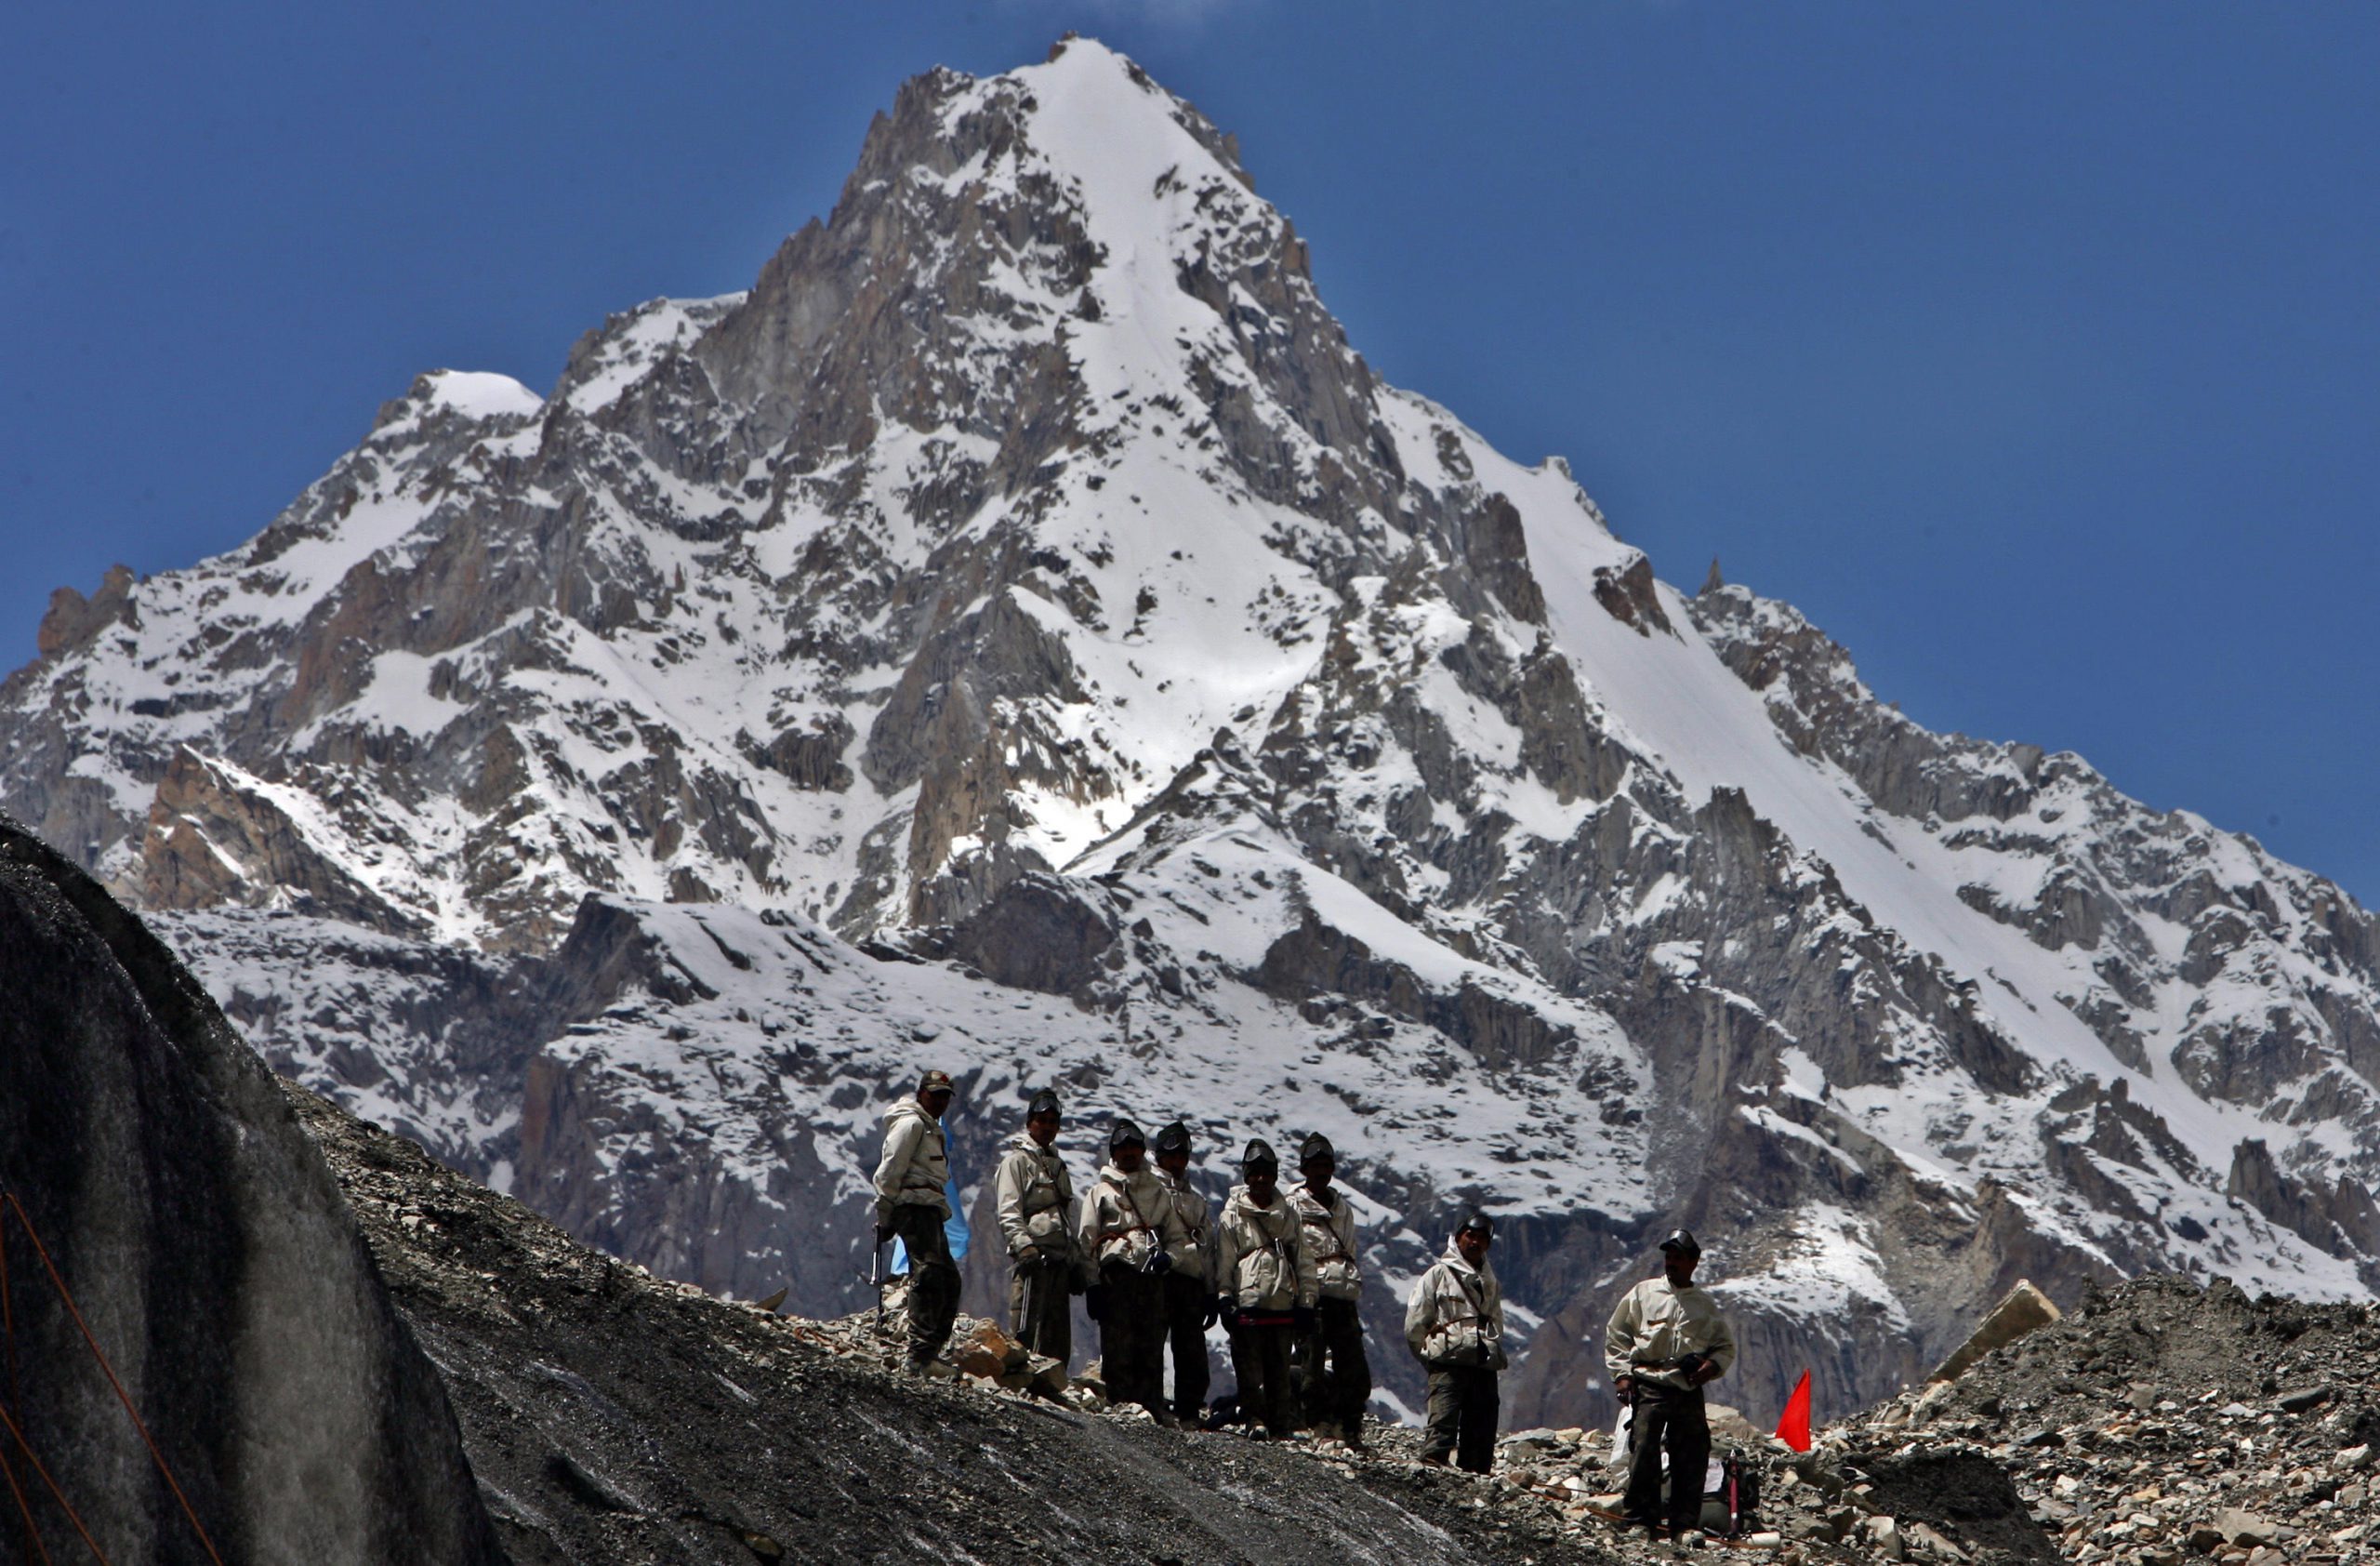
(25, 1510)
(25, 1221)
(15, 1400)
(67, 1505)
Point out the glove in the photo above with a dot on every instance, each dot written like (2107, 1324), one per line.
(1693, 1367)
(1227, 1312)
(1214, 1312)
(1160, 1263)
(1029, 1257)
(1625, 1387)
(1094, 1302)
(1303, 1318)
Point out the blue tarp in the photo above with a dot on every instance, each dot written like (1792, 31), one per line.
(954, 1231)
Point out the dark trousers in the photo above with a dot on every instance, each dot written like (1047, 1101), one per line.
(1131, 1337)
(1040, 1307)
(1334, 1379)
(1186, 1315)
(1259, 1356)
(1671, 1418)
(933, 1279)
(1463, 1417)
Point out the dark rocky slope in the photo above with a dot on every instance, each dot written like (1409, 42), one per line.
(615, 1416)
(612, 1416)
(218, 1267)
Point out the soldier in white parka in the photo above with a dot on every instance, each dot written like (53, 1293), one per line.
(910, 1203)
(1034, 1200)
(1455, 1325)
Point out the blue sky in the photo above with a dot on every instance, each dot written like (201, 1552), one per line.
(2033, 351)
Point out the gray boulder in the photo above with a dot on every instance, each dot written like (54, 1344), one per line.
(207, 1247)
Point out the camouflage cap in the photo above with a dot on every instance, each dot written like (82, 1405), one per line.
(935, 1082)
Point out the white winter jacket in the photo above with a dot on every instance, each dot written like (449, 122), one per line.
(1194, 1254)
(1655, 1324)
(1330, 1236)
(1124, 1216)
(915, 1165)
(1456, 1317)
(1260, 1258)
(1034, 1200)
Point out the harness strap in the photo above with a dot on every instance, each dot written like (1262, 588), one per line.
(1140, 1224)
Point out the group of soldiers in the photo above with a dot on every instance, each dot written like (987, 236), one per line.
(1156, 1266)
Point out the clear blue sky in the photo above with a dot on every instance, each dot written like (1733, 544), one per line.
(2034, 351)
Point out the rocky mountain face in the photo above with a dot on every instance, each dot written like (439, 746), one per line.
(1020, 635)
(202, 1363)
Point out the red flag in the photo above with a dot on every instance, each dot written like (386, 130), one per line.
(1795, 1429)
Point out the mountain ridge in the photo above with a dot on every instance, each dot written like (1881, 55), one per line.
(1020, 633)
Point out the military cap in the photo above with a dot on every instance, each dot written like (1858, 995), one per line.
(1683, 1243)
(1258, 1155)
(1480, 1224)
(935, 1082)
(1125, 1135)
(1316, 1146)
(1174, 1137)
(1044, 1103)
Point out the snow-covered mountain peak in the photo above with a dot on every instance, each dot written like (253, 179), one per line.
(1065, 661)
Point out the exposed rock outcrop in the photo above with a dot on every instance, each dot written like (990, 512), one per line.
(194, 1225)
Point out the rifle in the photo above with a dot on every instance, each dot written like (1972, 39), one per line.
(875, 1280)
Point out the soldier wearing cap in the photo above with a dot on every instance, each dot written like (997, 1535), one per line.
(1189, 1288)
(1334, 1378)
(1129, 1234)
(1665, 1341)
(1036, 1202)
(1455, 1325)
(910, 1179)
(1267, 1285)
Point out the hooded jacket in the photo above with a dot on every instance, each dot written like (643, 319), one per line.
(1330, 1236)
(1456, 1317)
(915, 1165)
(1125, 1216)
(1655, 1324)
(1262, 1262)
(1034, 1200)
(1194, 1255)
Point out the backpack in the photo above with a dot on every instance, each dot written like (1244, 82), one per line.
(1731, 1496)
